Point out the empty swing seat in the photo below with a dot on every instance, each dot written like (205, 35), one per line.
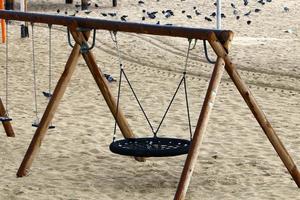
(37, 125)
(150, 147)
(5, 119)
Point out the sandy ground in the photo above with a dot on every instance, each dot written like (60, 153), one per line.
(236, 160)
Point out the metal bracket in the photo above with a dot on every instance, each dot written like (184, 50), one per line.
(84, 47)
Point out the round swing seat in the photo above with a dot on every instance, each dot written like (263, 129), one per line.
(150, 147)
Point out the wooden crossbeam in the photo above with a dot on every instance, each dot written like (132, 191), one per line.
(95, 23)
(7, 125)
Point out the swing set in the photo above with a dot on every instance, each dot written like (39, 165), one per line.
(155, 146)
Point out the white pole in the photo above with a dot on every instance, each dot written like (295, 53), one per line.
(22, 5)
(219, 18)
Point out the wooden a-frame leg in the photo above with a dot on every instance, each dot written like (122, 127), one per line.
(200, 130)
(7, 125)
(49, 112)
(105, 89)
(257, 112)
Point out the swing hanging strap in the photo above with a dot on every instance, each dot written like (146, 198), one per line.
(182, 81)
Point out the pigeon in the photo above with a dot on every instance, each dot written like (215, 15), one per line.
(197, 12)
(208, 19)
(143, 10)
(183, 11)
(158, 22)
(194, 8)
(233, 6)
(189, 16)
(58, 11)
(152, 15)
(143, 18)
(109, 78)
(248, 22)
(248, 13)
(77, 5)
(87, 12)
(269, 1)
(104, 14)
(47, 94)
(246, 2)
(66, 12)
(167, 14)
(286, 9)
(96, 5)
(213, 14)
(223, 15)
(112, 14)
(123, 18)
(261, 2)
(169, 24)
(237, 17)
(170, 11)
(141, 2)
(257, 10)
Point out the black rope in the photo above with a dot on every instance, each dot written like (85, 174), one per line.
(169, 106)
(118, 101)
(50, 59)
(183, 80)
(187, 106)
(138, 101)
(37, 120)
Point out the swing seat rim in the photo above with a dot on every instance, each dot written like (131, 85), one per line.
(150, 147)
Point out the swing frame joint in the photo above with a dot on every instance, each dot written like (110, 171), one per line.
(84, 47)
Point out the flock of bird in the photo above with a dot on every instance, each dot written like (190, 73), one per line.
(238, 13)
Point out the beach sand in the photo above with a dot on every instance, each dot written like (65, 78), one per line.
(236, 160)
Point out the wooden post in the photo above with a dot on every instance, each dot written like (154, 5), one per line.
(115, 2)
(49, 112)
(84, 4)
(7, 125)
(200, 130)
(105, 90)
(258, 113)
(9, 4)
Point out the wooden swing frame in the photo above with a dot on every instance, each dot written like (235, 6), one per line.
(219, 40)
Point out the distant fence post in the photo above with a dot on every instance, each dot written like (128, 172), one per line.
(114, 3)
(84, 4)
(9, 4)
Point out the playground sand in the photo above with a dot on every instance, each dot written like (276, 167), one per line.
(236, 160)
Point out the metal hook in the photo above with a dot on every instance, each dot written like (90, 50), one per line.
(84, 46)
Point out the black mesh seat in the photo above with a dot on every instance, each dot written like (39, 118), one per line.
(150, 147)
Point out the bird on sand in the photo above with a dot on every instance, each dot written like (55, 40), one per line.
(123, 17)
(208, 19)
